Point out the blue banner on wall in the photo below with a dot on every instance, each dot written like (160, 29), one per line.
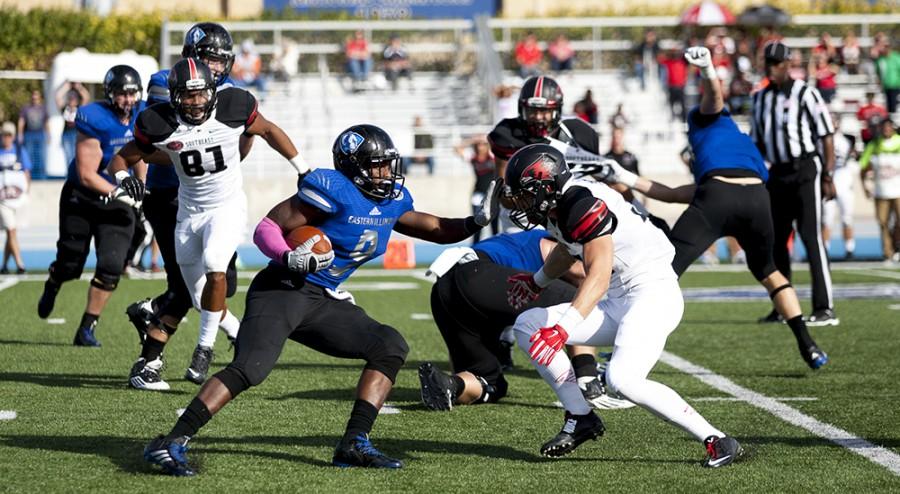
(391, 9)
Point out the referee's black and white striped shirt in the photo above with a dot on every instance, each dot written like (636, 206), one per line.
(786, 126)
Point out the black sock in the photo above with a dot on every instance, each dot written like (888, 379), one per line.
(585, 365)
(458, 384)
(798, 326)
(362, 418)
(152, 349)
(195, 416)
(88, 320)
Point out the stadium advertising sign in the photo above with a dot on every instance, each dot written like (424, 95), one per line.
(391, 9)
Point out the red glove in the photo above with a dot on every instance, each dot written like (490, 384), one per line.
(546, 342)
(522, 290)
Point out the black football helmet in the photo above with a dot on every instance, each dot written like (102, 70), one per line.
(208, 40)
(535, 176)
(186, 78)
(360, 149)
(122, 79)
(540, 93)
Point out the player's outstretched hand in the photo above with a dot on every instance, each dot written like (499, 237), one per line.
(304, 260)
(522, 290)
(134, 187)
(490, 206)
(614, 173)
(698, 56)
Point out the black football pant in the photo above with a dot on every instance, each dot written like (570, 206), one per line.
(470, 308)
(796, 193)
(84, 215)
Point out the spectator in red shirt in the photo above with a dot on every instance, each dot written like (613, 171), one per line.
(529, 56)
(866, 112)
(586, 108)
(676, 79)
(562, 55)
(825, 73)
(359, 60)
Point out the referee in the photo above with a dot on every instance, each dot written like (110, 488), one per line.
(789, 117)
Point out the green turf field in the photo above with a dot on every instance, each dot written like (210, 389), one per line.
(78, 427)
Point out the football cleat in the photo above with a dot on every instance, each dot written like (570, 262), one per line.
(146, 375)
(48, 299)
(576, 430)
(823, 317)
(438, 389)
(140, 313)
(814, 357)
(505, 349)
(359, 452)
(595, 393)
(771, 317)
(721, 451)
(84, 336)
(170, 455)
(199, 367)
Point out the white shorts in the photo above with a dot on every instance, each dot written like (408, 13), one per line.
(7, 217)
(206, 240)
(843, 185)
(646, 316)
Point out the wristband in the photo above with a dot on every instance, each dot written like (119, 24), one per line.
(541, 279)
(121, 175)
(570, 319)
(471, 226)
(627, 179)
(299, 164)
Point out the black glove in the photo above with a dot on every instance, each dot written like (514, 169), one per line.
(133, 187)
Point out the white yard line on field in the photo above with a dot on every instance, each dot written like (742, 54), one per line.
(9, 282)
(876, 454)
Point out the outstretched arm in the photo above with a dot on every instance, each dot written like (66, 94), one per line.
(616, 174)
(712, 101)
(279, 141)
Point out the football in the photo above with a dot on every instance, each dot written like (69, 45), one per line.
(301, 234)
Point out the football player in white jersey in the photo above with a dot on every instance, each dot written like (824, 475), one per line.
(626, 259)
(199, 133)
(844, 176)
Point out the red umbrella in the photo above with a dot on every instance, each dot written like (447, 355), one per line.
(707, 13)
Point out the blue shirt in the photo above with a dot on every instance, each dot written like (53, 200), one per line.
(358, 226)
(99, 121)
(163, 176)
(720, 144)
(520, 250)
(15, 154)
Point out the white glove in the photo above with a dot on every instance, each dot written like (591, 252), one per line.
(304, 260)
(614, 173)
(699, 57)
(490, 206)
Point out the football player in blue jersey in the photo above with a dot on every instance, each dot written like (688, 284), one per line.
(93, 205)
(729, 197)
(161, 315)
(358, 205)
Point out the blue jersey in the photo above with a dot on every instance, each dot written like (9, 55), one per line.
(99, 121)
(520, 250)
(359, 227)
(163, 176)
(718, 144)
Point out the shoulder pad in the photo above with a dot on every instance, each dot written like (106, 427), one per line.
(236, 107)
(507, 138)
(583, 217)
(154, 124)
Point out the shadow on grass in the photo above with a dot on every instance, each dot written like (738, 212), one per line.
(816, 442)
(72, 381)
(723, 322)
(33, 343)
(347, 395)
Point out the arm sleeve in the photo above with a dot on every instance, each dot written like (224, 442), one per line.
(270, 240)
(585, 217)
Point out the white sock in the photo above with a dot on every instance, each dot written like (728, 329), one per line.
(560, 376)
(850, 245)
(230, 324)
(209, 323)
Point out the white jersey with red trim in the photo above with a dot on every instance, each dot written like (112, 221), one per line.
(642, 251)
(206, 157)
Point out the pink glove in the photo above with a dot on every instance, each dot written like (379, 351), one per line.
(546, 342)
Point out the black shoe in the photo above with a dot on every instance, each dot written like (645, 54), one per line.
(140, 313)
(438, 389)
(48, 299)
(505, 355)
(359, 452)
(170, 455)
(822, 317)
(4, 270)
(576, 430)
(145, 375)
(85, 337)
(772, 317)
(20, 270)
(814, 357)
(199, 367)
(721, 451)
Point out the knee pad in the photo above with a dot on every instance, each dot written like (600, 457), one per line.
(235, 380)
(105, 280)
(388, 353)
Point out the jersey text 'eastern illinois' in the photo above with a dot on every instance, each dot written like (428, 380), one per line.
(588, 209)
(358, 226)
(206, 157)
